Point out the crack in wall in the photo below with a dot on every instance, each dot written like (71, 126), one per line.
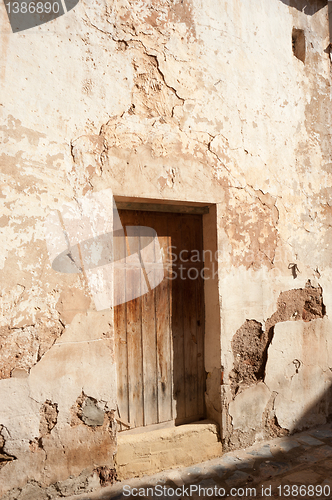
(5, 458)
(22, 348)
(164, 78)
(85, 482)
(270, 421)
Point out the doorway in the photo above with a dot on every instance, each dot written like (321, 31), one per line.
(159, 335)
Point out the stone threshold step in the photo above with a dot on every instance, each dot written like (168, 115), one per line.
(147, 453)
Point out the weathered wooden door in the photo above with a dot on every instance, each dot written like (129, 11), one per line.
(159, 336)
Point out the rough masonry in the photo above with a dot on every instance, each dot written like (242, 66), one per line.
(221, 102)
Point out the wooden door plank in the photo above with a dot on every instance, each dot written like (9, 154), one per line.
(120, 328)
(134, 333)
(163, 330)
(175, 231)
(200, 319)
(149, 345)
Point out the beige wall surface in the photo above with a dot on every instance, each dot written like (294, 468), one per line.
(190, 101)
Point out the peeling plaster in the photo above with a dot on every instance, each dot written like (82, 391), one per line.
(165, 101)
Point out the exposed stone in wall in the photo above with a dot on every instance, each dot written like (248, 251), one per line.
(106, 475)
(248, 347)
(89, 411)
(299, 304)
(91, 414)
(250, 343)
(48, 417)
(251, 348)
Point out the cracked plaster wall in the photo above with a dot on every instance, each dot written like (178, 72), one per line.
(191, 101)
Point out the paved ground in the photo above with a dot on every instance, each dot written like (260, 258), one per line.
(299, 466)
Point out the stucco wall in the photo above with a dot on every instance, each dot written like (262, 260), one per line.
(188, 101)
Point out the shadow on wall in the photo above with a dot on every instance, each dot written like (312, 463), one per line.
(281, 378)
(322, 405)
(309, 7)
(294, 466)
(300, 457)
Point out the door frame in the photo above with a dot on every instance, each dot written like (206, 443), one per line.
(212, 299)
